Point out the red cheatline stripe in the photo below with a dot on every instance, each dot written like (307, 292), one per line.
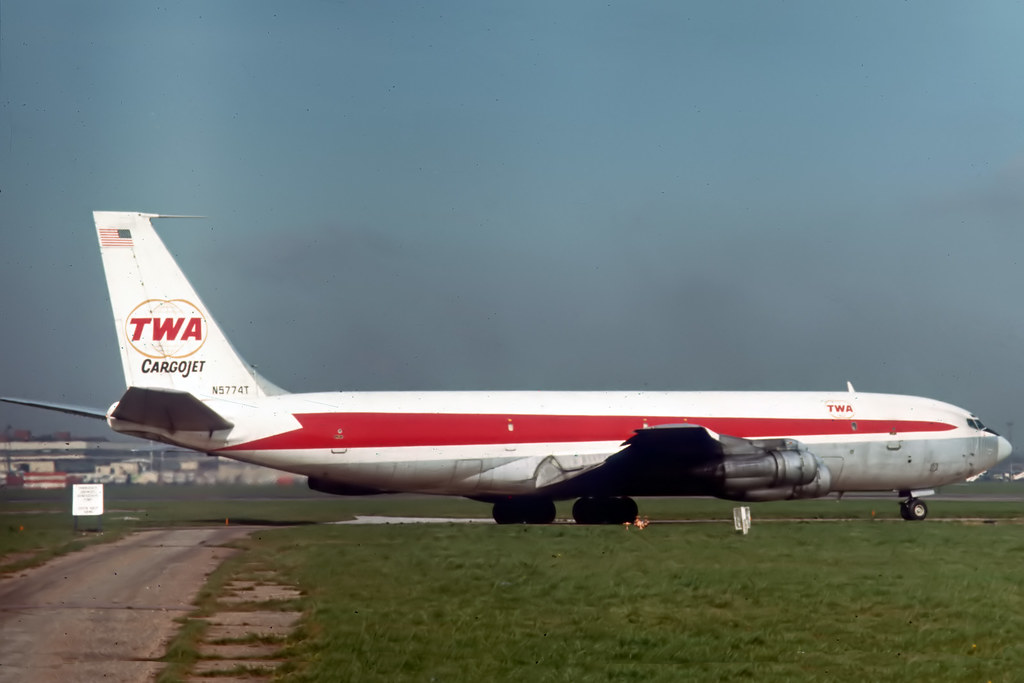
(389, 430)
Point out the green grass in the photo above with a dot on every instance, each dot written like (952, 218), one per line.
(791, 601)
(36, 525)
(181, 652)
(858, 599)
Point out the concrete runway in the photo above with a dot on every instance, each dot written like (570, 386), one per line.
(105, 612)
(383, 519)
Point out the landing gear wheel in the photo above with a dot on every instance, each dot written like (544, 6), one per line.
(524, 511)
(627, 510)
(504, 512)
(587, 511)
(541, 512)
(913, 510)
(604, 510)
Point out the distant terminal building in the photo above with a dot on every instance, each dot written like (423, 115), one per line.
(58, 460)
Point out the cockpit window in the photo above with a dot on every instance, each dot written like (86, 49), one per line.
(975, 423)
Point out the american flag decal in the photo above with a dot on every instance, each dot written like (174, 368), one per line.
(115, 237)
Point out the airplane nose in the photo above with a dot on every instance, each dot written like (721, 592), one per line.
(1005, 448)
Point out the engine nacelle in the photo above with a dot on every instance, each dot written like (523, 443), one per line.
(775, 475)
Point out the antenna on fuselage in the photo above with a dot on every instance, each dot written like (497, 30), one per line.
(849, 387)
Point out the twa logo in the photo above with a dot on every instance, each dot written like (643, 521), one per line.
(166, 328)
(837, 409)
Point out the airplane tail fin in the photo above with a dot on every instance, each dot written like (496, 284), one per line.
(168, 339)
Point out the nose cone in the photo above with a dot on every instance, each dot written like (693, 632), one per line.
(1004, 449)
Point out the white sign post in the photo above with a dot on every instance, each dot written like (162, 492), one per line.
(87, 501)
(741, 519)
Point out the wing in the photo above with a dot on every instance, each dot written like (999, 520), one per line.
(682, 460)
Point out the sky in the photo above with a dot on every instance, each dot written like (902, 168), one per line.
(527, 195)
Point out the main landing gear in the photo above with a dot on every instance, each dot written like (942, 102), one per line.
(913, 509)
(602, 510)
(524, 511)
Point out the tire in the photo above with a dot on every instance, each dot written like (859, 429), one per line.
(505, 512)
(540, 511)
(586, 511)
(604, 510)
(916, 510)
(524, 511)
(627, 509)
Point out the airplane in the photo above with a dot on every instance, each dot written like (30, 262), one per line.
(520, 451)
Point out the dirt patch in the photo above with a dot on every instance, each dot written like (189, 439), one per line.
(239, 626)
(244, 639)
(240, 650)
(244, 592)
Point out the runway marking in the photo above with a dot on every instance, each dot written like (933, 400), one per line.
(381, 519)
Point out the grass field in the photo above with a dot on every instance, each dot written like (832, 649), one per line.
(791, 601)
(856, 599)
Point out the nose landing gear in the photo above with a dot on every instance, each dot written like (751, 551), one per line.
(913, 509)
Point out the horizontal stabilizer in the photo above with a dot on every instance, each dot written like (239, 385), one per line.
(167, 409)
(60, 407)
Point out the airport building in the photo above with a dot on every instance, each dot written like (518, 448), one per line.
(58, 460)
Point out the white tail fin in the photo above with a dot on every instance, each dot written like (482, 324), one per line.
(167, 337)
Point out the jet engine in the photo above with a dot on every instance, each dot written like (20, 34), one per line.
(773, 475)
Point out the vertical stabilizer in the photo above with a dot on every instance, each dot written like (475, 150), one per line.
(168, 339)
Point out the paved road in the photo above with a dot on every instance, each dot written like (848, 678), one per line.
(106, 612)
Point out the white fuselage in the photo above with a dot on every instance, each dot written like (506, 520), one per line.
(487, 444)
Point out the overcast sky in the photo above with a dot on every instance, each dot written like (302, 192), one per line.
(527, 195)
